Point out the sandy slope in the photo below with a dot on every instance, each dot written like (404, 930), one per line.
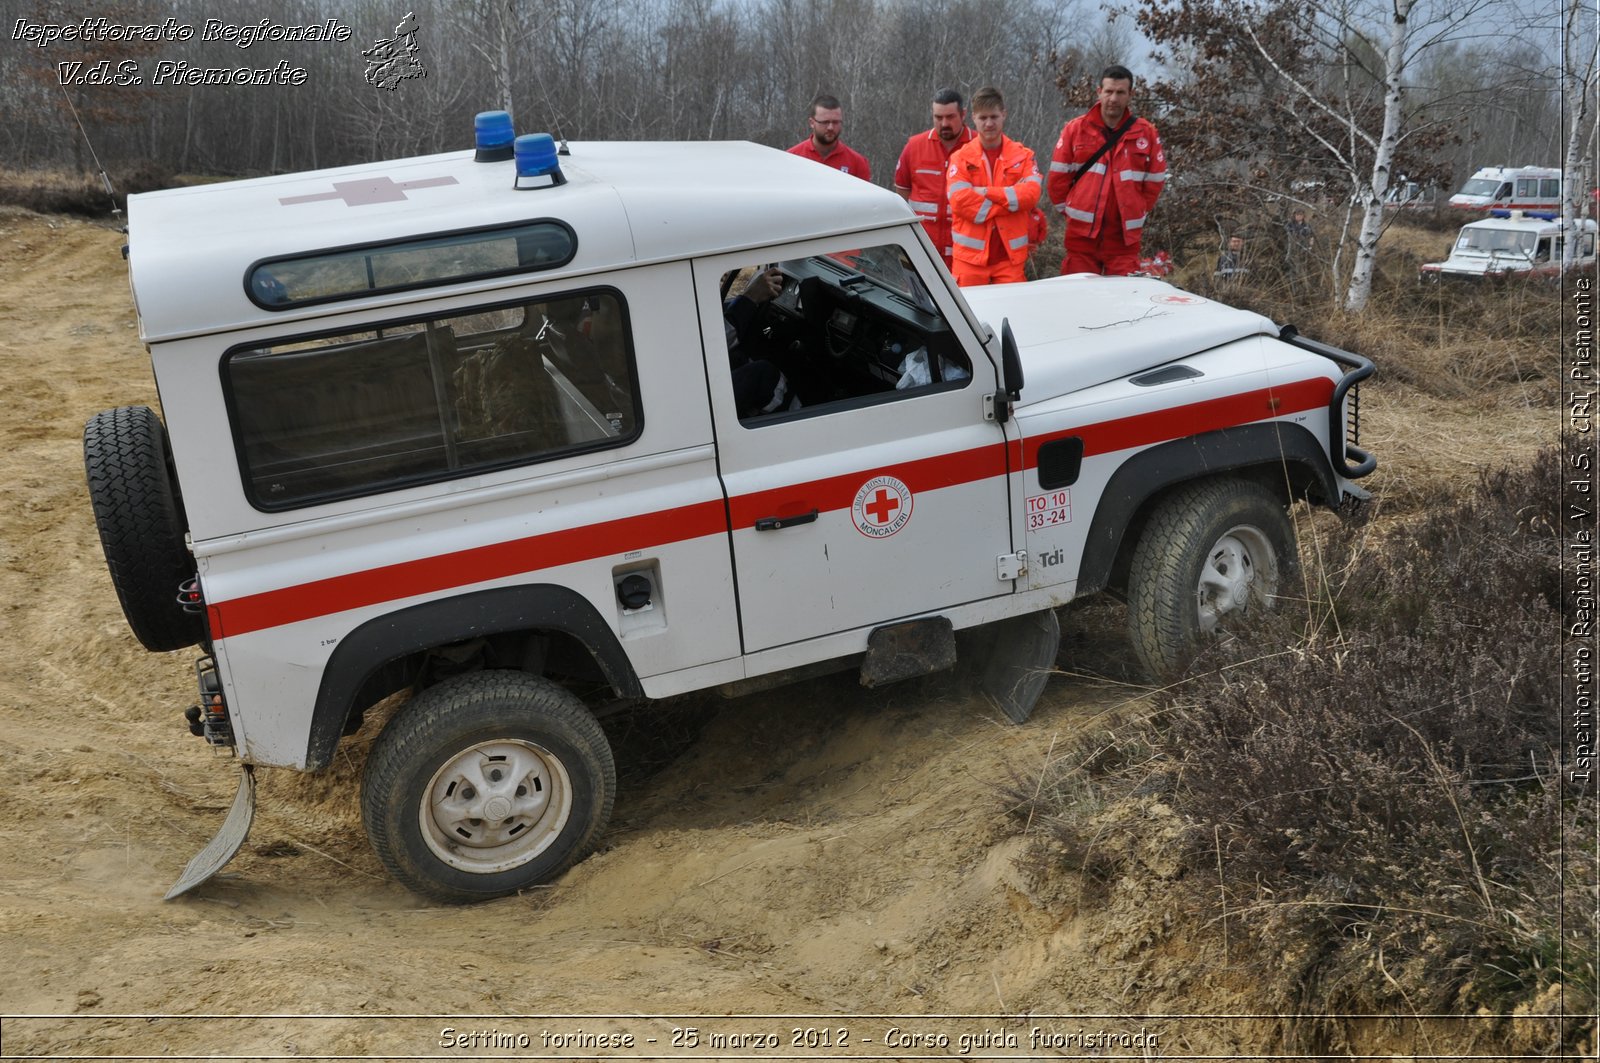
(824, 850)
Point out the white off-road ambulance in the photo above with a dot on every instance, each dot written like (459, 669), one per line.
(1512, 244)
(511, 434)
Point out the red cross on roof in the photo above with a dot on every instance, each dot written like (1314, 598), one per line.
(368, 190)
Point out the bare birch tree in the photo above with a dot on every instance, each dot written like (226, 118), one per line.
(1328, 82)
(1580, 54)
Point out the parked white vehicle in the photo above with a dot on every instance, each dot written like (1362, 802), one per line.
(478, 428)
(1511, 188)
(1406, 194)
(1512, 243)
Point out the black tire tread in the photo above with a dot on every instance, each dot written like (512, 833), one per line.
(141, 524)
(1163, 621)
(459, 711)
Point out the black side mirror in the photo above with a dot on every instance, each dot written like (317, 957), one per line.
(1010, 361)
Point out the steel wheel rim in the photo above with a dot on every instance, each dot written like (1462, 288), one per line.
(495, 806)
(1240, 571)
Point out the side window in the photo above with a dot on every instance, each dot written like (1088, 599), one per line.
(1527, 187)
(852, 328)
(1505, 190)
(369, 411)
(1543, 252)
(1550, 188)
(1587, 245)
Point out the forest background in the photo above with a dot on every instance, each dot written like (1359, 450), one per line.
(1482, 81)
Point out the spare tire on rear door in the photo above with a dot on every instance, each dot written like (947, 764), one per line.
(141, 524)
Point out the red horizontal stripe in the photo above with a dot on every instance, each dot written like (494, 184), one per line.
(1178, 422)
(289, 605)
(839, 492)
(460, 568)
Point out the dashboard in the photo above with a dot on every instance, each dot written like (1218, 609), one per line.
(844, 335)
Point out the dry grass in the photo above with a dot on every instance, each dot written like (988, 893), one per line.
(1375, 813)
(1387, 793)
(81, 194)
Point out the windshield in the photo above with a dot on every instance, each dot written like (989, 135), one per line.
(888, 267)
(1487, 241)
(1479, 186)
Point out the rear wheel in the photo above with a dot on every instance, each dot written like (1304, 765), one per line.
(486, 784)
(1212, 552)
(141, 524)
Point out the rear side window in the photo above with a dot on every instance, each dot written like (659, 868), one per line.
(363, 412)
(1549, 188)
(350, 272)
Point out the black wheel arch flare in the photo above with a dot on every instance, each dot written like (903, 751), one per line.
(1296, 460)
(388, 638)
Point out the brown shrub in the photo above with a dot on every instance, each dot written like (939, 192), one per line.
(1381, 808)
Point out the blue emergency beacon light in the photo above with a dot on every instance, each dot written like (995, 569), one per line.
(536, 157)
(493, 135)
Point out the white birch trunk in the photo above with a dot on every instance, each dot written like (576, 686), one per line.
(1577, 73)
(502, 58)
(1370, 196)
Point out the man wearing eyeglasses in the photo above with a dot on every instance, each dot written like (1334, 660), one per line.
(824, 145)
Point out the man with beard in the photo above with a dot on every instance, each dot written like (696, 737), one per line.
(1105, 174)
(919, 177)
(824, 145)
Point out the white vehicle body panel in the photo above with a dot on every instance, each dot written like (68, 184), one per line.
(954, 472)
(1075, 332)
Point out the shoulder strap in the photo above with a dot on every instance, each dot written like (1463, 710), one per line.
(1111, 142)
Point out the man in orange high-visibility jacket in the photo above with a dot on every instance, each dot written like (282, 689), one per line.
(993, 185)
(1107, 194)
(919, 177)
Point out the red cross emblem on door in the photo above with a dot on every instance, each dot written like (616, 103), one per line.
(882, 507)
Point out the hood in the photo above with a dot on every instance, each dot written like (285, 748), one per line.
(1079, 331)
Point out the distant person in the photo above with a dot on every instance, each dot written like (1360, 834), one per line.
(919, 177)
(1230, 264)
(1106, 172)
(993, 185)
(1300, 241)
(824, 145)
(1301, 236)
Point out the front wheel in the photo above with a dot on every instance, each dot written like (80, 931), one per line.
(486, 784)
(1213, 551)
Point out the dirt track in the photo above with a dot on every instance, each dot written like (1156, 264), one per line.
(825, 850)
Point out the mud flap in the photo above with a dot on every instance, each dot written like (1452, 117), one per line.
(903, 651)
(221, 849)
(1021, 659)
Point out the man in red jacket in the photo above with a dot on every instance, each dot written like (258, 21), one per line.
(993, 185)
(824, 145)
(919, 176)
(1107, 170)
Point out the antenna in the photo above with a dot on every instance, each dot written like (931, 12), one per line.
(116, 211)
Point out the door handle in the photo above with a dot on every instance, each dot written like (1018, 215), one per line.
(780, 523)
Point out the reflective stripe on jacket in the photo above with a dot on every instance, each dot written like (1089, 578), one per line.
(921, 169)
(981, 201)
(1135, 171)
